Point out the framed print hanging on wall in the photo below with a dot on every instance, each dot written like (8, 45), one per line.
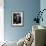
(17, 18)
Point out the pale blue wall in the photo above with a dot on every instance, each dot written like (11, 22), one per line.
(43, 6)
(30, 7)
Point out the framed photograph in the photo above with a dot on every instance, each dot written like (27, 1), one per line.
(17, 18)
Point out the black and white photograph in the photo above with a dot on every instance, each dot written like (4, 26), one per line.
(17, 18)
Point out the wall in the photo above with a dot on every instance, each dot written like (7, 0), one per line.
(30, 7)
(43, 6)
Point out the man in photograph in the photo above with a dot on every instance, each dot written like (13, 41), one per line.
(16, 18)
